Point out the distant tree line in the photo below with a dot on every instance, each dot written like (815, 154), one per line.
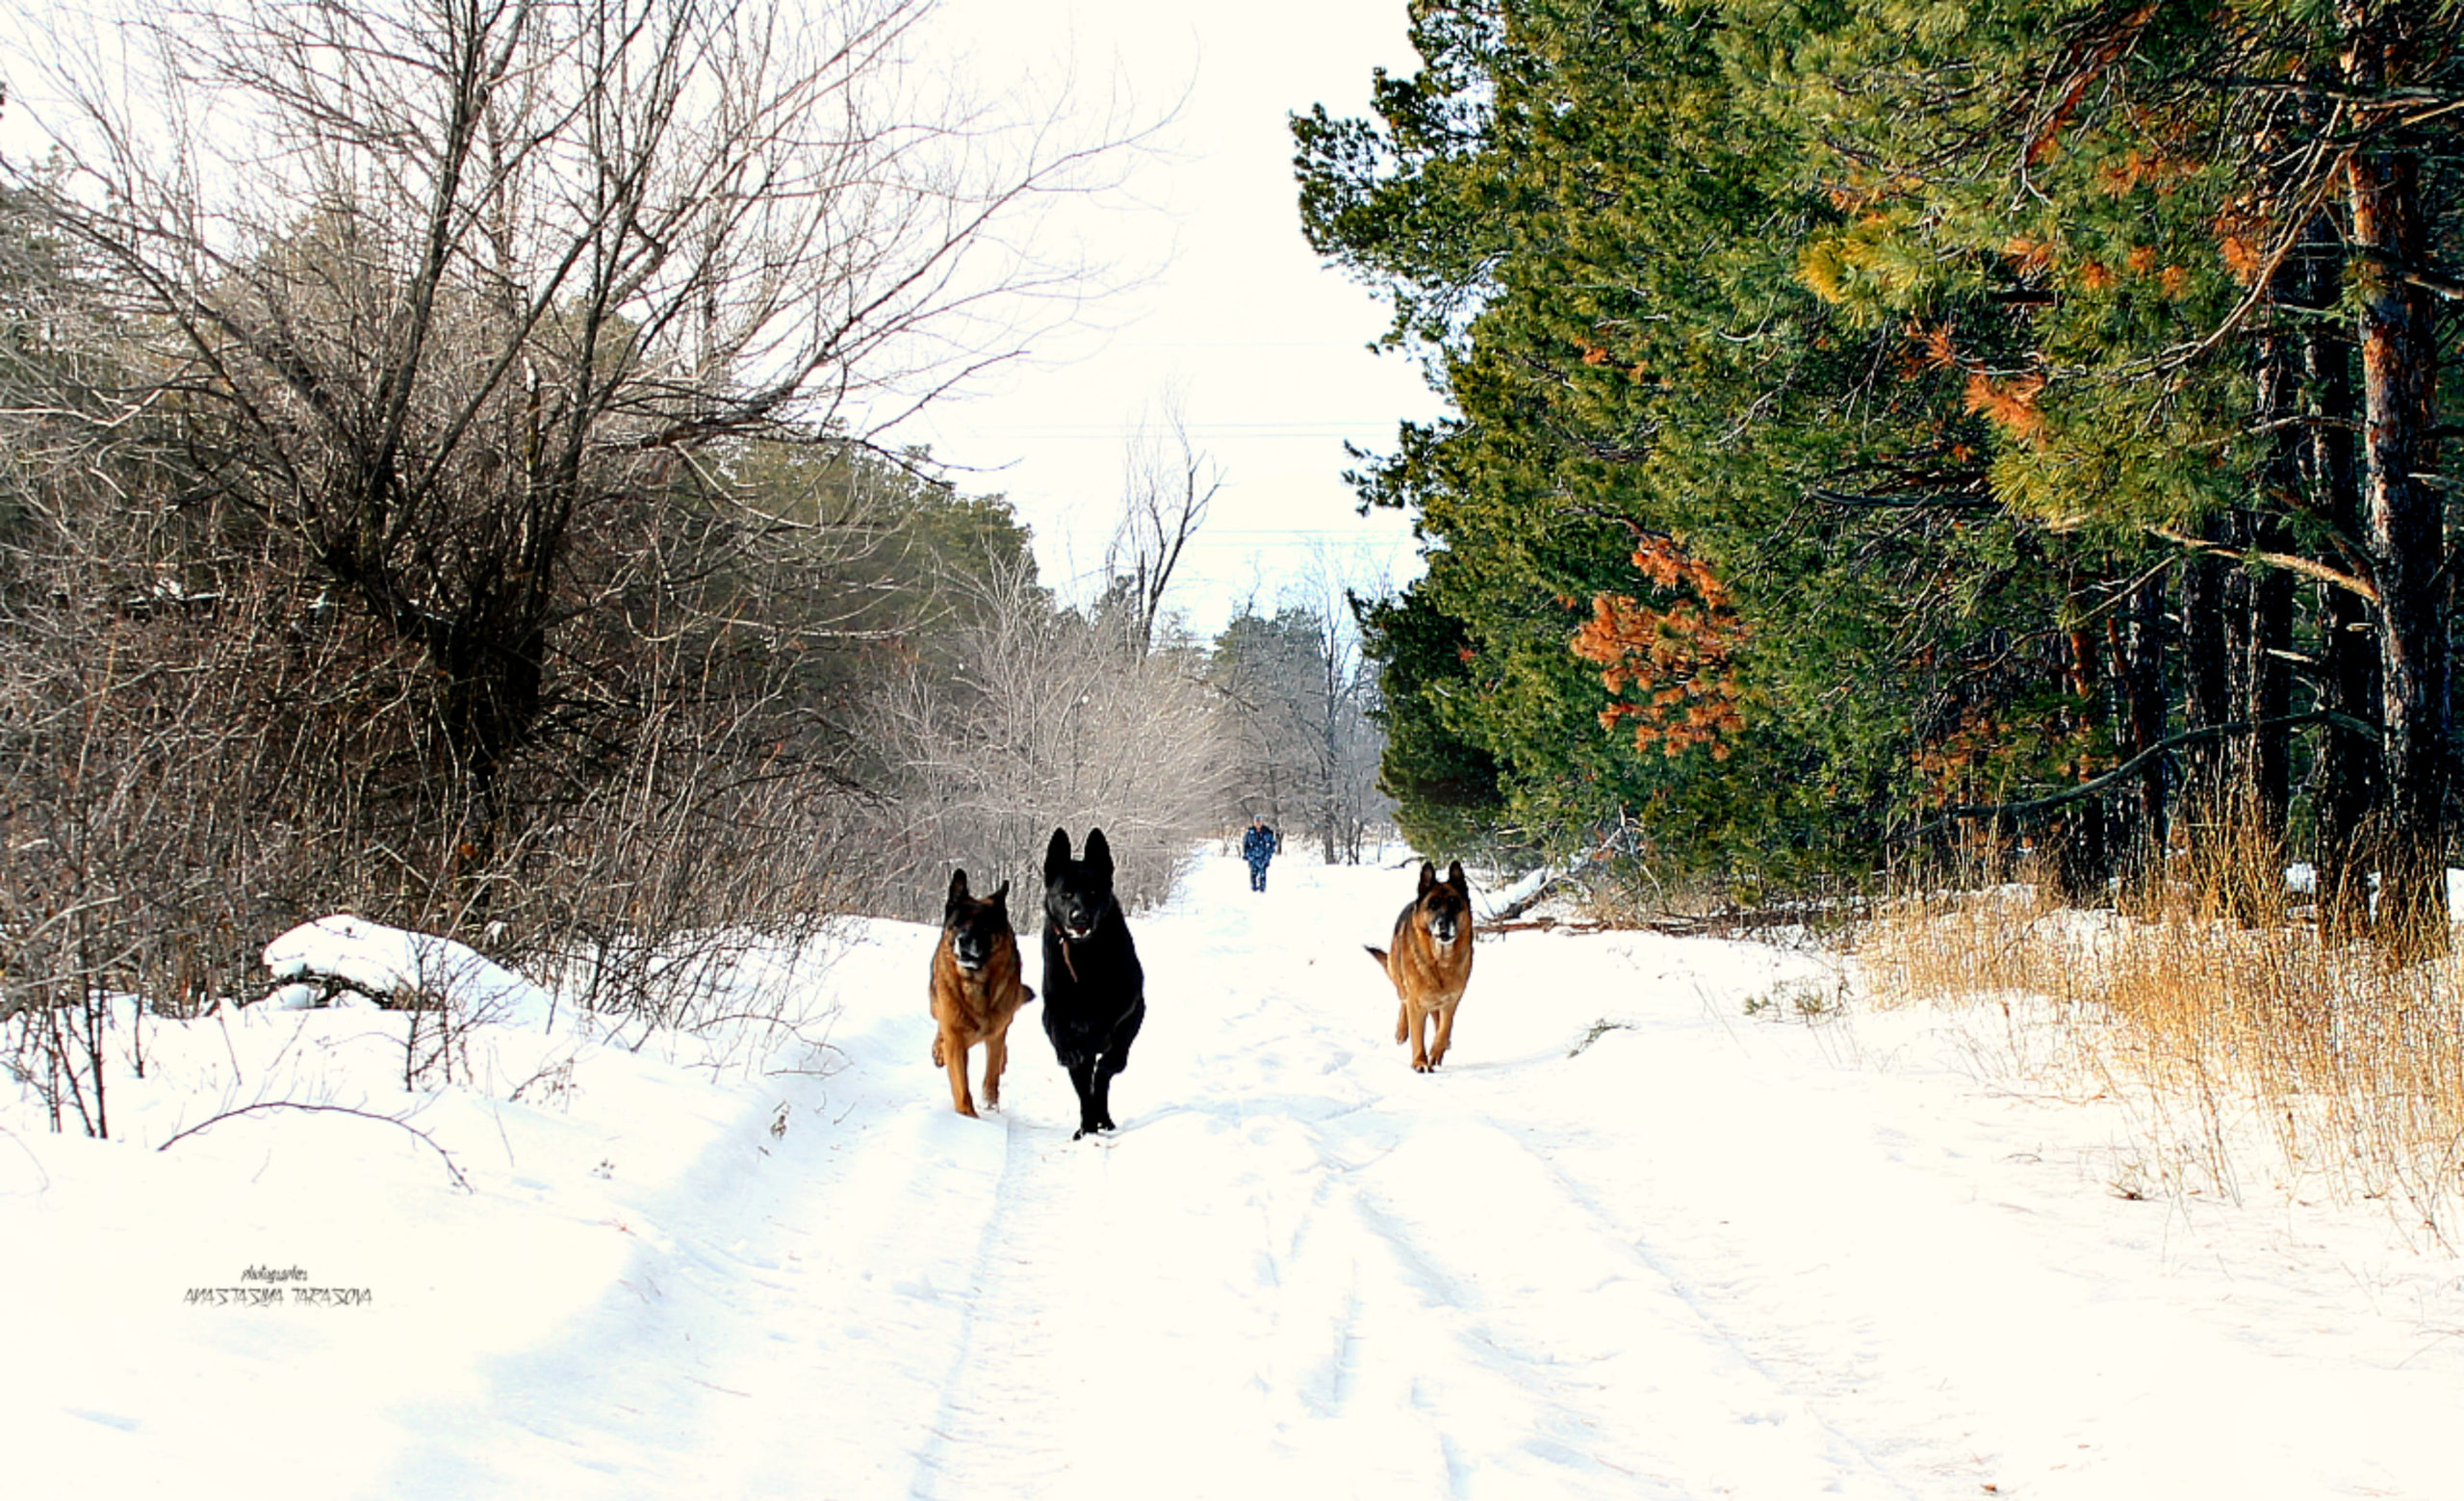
(1299, 703)
(1888, 432)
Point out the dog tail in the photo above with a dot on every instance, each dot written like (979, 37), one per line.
(1377, 954)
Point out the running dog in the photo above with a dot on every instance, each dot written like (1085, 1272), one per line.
(1094, 992)
(1431, 961)
(978, 986)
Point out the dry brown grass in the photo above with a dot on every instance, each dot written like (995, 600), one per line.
(2246, 1049)
(1942, 948)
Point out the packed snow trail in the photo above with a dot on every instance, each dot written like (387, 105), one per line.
(1656, 1268)
(1630, 1241)
(1298, 1267)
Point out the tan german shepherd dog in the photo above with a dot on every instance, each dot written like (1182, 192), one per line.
(1431, 961)
(976, 988)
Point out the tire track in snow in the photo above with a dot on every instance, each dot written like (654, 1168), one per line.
(1684, 1265)
(1607, 1369)
(971, 1447)
(1111, 1307)
(1842, 1448)
(1458, 1223)
(1418, 1313)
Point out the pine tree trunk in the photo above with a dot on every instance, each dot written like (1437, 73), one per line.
(2265, 668)
(2207, 683)
(2143, 671)
(2404, 516)
(2268, 682)
(2083, 849)
(2347, 801)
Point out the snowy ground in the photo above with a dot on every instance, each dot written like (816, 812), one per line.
(1707, 1254)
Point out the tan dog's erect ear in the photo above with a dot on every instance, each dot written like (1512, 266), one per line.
(1455, 878)
(958, 887)
(1001, 897)
(1428, 877)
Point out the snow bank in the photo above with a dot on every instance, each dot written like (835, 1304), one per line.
(1488, 904)
(377, 961)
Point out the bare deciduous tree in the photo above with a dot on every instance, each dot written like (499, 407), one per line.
(385, 528)
(1168, 483)
(1299, 702)
(442, 304)
(1052, 723)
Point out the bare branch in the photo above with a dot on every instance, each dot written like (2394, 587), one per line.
(447, 1158)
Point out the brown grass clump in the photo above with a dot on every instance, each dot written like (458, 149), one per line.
(2232, 1031)
(1960, 947)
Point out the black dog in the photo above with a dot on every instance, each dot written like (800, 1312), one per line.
(1094, 994)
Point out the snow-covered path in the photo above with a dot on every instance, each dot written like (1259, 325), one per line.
(1691, 1255)
(1300, 1266)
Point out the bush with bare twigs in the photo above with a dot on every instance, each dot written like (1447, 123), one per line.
(1059, 719)
(392, 517)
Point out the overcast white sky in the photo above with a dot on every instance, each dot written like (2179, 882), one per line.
(1265, 347)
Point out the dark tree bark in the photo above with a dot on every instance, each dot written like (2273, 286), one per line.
(2140, 661)
(2263, 667)
(2207, 683)
(2259, 633)
(2403, 512)
(2083, 847)
(2346, 777)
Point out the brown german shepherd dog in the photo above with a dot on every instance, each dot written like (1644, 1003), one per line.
(976, 988)
(1431, 961)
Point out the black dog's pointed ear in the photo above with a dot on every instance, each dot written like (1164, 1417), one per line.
(1099, 855)
(1055, 854)
(958, 887)
(1428, 877)
(1000, 897)
(1455, 878)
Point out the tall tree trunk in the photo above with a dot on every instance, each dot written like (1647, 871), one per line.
(2268, 696)
(2405, 518)
(2265, 668)
(2345, 810)
(2083, 851)
(2141, 659)
(2207, 683)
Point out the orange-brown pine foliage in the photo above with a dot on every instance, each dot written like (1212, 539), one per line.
(1672, 670)
(2010, 404)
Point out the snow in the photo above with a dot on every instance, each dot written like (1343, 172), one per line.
(1661, 1227)
(2302, 878)
(1488, 904)
(378, 960)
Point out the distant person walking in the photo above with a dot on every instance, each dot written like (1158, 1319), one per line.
(1257, 847)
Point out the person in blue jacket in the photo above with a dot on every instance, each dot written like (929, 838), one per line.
(1257, 847)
